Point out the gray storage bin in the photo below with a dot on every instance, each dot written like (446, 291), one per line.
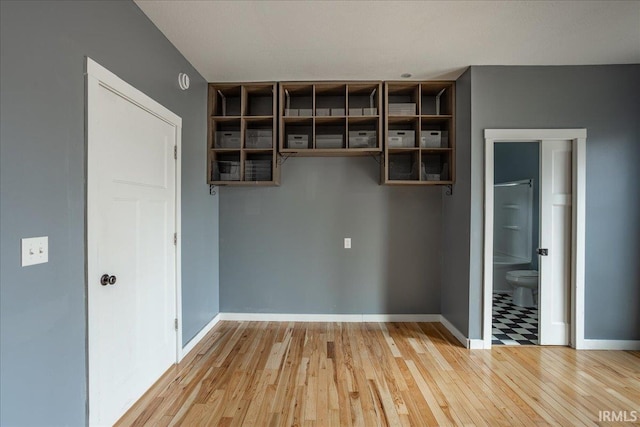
(298, 141)
(402, 109)
(337, 111)
(434, 172)
(306, 112)
(434, 139)
(355, 111)
(369, 111)
(329, 141)
(290, 111)
(226, 170)
(259, 138)
(362, 138)
(402, 170)
(401, 138)
(257, 170)
(323, 112)
(227, 139)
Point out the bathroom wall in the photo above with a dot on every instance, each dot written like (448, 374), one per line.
(514, 161)
(605, 100)
(43, 380)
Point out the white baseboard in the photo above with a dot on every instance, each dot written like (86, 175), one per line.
(476, 344)
(199, 336)
(588, 344)
(472, 344)
(467, 343)
(290, 317)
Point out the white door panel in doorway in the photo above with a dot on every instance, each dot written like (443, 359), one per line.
(131, 221)
(555, 235)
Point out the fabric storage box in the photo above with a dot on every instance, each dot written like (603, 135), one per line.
(323, 112)
(227, 139)
(298, 141)
(257, 170)
(259, 138)
(226, 171)
(362, 138)
(355, 111)
(402, 109)
(306, 112)
(337, 111)
(402, 170)
(401, 138)
(433, 172)
(434, 139)
(290, 111)
(329, 141)
(369, 111)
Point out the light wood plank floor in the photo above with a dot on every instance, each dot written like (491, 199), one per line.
(368, 374)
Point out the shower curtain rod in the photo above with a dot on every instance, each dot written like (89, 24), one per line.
(528, 182)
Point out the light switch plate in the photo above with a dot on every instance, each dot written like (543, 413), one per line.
(35, 250)
(347, 242)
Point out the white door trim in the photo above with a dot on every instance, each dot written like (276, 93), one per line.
(97, 76)
(578, 138)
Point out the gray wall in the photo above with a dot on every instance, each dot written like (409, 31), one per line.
(606, 101)
(455, 218)
(281, 249)
(515, 161)
(42, 179)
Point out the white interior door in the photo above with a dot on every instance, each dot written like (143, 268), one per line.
(131, 222)
(555, 236)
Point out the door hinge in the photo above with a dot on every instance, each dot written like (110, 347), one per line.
(175, 152)
(175, 324)
(175, 239)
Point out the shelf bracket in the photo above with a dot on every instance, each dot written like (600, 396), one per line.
(282, 158)
(212, 189)
(375, 157)
(449, 190)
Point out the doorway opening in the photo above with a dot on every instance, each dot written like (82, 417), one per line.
(555, 304)
(515, 242)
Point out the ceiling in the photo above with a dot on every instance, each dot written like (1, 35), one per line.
(335, 40)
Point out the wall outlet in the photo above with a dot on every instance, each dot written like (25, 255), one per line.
(35, 250)
(347, 242)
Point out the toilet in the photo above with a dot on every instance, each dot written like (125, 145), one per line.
(524, 283)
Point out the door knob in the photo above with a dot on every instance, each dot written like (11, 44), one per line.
(107, 280)
(543, 252)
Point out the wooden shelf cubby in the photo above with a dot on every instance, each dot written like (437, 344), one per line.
(242, 134)
(316, 118)
(419, 133)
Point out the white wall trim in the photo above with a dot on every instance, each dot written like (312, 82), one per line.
(454, 331)
(590, 344)
(291, 317)
(513, 135)
(184, 351)
(578, 137)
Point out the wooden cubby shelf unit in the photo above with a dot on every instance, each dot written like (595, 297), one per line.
(242, 134)
(419, 133)
(330, 118)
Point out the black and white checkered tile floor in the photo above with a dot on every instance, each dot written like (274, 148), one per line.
(513, 325)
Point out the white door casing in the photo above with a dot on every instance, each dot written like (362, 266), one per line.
(577, 138)
(555, 235)
(132, 215)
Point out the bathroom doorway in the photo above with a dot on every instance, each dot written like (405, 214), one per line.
(534, 237)
(514, 308)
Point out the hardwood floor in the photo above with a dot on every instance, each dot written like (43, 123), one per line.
(368, 374)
